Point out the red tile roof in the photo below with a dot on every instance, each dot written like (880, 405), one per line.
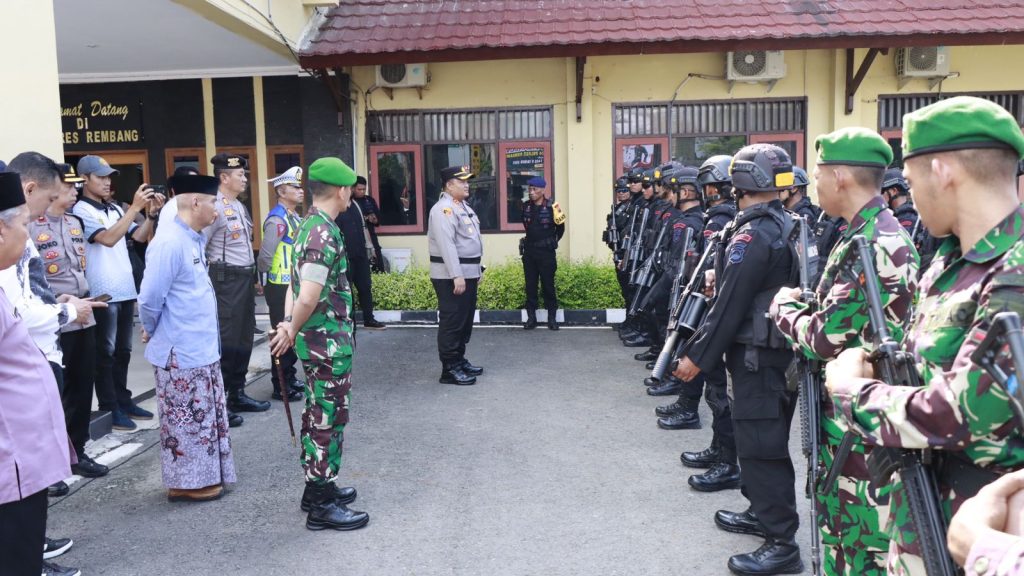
(360, 32)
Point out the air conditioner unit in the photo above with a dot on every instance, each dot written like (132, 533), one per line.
(922, 61)
(755, 65)
(402, 75)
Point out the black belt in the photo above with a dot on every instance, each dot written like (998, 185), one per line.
(439, 260)
(220, 264)
(964, 476)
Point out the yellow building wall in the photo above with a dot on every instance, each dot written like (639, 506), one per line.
(30, 115)
(583, 152)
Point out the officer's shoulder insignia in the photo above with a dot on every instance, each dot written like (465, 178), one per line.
(42, 237)
(76, 232)
(906, 223)
(679, 225)
(281, 229)
(709, 233)
(52, 269)
(447, 211)
(738, 249)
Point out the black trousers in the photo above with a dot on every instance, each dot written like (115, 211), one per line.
(717, 397)
(275, 295)
(358, 273)
(22, 533)
(236, 312)
(455, 319)
(540, 263)
(113, 353)
(762, 412)
(79, 371)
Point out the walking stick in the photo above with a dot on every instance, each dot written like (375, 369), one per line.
(284, 390)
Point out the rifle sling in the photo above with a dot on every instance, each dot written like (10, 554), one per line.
(965, 477)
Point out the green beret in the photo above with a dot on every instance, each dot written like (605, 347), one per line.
(853, 147)
(960, 123)
(332, 171)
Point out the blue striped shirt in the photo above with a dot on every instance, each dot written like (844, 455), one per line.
(177, 305)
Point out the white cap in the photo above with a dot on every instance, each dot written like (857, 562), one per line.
(291, 176)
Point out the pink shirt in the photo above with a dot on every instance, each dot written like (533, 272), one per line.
(34, 451)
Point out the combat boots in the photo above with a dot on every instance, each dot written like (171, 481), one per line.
(773, 557)
(685, 419)
(341, 495)
(706, 458)
(456, 375)
(326, 512)
(721, 476)
(670, 386)
(531, 320)
(239, 401)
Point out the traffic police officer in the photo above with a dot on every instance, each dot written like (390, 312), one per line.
(545, 224)
(755, 259)
(453, 240)
(233, 273)
(275, 266)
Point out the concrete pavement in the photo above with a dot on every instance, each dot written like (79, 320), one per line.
(551, 465)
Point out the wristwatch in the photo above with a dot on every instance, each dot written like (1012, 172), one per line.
(288, 318)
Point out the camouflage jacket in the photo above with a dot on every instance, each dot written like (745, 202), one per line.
(841, 321)
(959, 408)
(319, 256)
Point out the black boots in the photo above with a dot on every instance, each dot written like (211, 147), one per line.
(239, 401)
(721, 476)
(670, 386)
(531, 320)
(457, 375)
(773, 557)
(341, 495)
(327, 511)
(706, 458)
(745, 522)
(471, 369)
(686, 418)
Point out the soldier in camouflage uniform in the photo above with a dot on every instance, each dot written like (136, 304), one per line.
(960, 159)
(318, 319)
(850, 164)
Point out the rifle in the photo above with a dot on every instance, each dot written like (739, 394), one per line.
(637, 246)
(645, 277)
(810, 402)
(1005, 331)
(918, 483)
(611, 235)
(685, 317)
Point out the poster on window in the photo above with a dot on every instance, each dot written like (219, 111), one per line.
(641, 156)
(521, 164)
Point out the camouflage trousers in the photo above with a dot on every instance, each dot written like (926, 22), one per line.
(853, 517)
(328, 385)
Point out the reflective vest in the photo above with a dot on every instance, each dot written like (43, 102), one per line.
(281, 266)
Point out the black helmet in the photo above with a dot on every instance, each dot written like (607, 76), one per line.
(686, 175)
(715, 170)
(800, 179)
(648, 176)
(893, 178)
(635, 175)
(761, 168)
(622, 181)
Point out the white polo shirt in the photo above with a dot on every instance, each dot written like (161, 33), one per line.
(109, 270)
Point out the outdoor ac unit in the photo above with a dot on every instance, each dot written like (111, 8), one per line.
(922, 61)
(402, 75)
(755, 65)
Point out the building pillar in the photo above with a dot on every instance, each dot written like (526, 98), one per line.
(30, 115)
(260, 187)
(579, 203)
(209, 132)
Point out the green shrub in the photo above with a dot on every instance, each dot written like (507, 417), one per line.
(582, 285)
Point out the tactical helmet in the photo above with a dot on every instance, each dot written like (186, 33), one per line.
(761, 168)
(622, 181)
(687, 175)
(715, 170)
(800, 179)
(893, 178)
(635, 175)
(648, 176)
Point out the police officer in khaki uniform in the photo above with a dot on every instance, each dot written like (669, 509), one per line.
(453, 239)
(233, 273)
(60, 239)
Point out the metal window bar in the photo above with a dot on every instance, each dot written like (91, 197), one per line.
(710, 118)
(529, 124)
(393, 127)
(892, 108)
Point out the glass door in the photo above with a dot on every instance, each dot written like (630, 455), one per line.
(397, 185)
(132, 171)
(517, 163)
